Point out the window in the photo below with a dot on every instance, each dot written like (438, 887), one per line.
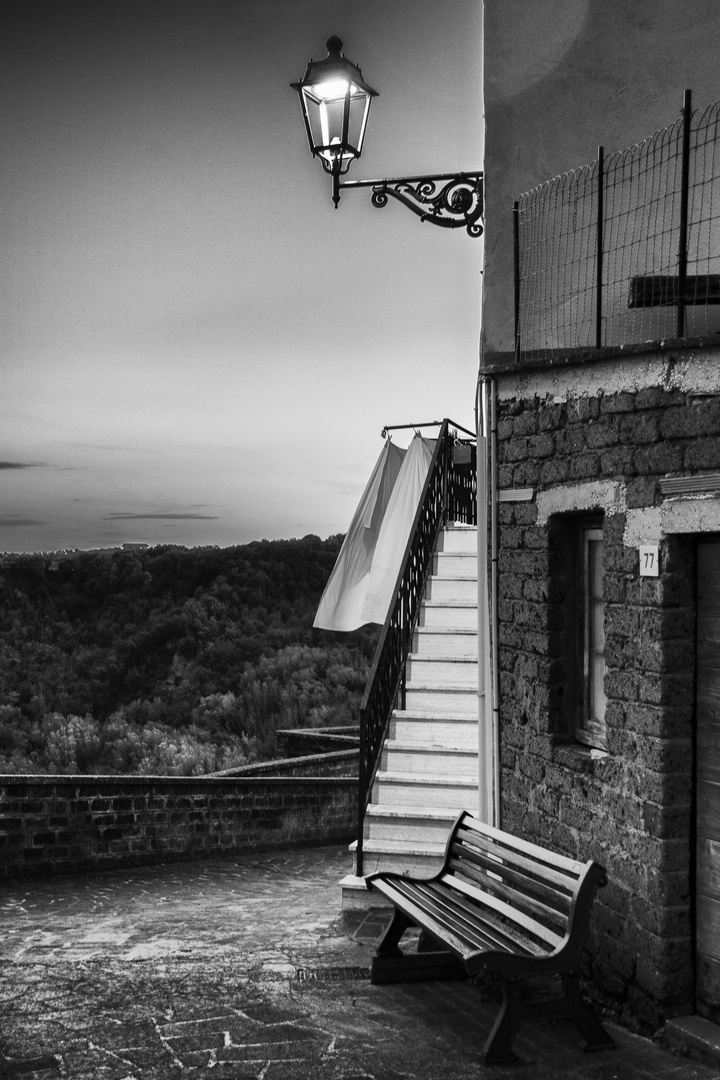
(590, 727)
(578, 617)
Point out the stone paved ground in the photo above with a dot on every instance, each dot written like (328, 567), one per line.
(246, 970)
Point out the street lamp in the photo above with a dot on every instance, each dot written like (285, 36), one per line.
(335, 102)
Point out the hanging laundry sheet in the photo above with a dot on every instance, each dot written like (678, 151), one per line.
(342, 602)
(395, 530)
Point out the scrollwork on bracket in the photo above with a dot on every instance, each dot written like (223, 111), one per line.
(451, 203)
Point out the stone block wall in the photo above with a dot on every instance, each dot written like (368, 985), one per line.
(66, 824)
(631, 808)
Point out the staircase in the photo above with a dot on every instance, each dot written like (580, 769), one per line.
(428, 771)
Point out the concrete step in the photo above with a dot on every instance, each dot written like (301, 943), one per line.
(413, 824)
(429, 767)
(693, 1037)
(442, 671)
(401, 856)
(355, 895)
(439, 792)
(450, 589)
(430, 760)
(455, 564)
(426, 727)
(444, 641)
(452, 698)
(462, 538)
(448, 615)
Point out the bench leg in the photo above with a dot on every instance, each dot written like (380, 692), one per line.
(390, 964)
(497, 1049)
(389, 942)
(516, 1011)
(583, 1017)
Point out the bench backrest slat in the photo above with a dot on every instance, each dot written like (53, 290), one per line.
(518, 918)
(519, 876)
(563, 879)
(519, 898)
(505, 840)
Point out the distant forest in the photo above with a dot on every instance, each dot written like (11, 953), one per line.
(169, 660)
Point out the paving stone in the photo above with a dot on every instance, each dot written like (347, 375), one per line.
(247, 969)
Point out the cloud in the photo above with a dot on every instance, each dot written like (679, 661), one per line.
(18, 464)
(14, 523)
(113, 447)
(163, 517)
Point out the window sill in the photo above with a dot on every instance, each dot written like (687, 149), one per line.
(578, 757)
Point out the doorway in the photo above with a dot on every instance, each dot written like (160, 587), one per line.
(707, 878)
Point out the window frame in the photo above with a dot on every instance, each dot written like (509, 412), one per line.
(590, 724)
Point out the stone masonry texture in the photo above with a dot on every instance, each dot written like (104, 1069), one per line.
(631, 808)
(66, 824)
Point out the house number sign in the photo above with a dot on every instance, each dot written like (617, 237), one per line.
(649, 560)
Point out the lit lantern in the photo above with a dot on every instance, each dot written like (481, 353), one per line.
(335, 102)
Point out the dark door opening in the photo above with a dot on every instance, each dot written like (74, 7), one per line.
(707, 772)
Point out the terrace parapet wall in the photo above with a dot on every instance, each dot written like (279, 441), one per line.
(602, 437)
(67, 824)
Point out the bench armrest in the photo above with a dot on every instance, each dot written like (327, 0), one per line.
(511, 964)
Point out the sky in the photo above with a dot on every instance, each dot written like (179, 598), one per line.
(195, 347)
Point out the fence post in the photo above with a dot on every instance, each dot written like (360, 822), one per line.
(599, 246)
(684, 196)
(516, 257)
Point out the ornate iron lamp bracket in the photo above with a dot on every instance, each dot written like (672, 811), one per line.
(451, 200)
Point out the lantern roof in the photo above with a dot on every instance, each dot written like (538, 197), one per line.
(332, 76)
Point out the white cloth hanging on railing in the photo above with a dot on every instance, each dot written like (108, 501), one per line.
(395, 530)
(342, 602)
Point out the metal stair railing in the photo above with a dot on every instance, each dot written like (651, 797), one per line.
(449, 494)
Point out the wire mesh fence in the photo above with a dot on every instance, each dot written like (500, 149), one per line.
(624, 250)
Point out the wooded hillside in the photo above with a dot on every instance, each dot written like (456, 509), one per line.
(169, 660)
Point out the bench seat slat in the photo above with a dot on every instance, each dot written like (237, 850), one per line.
(501, 935)
(508, 856)
(450, 914)
(514, 843)
(482, 929)
(417, 913)
(528, 905)
(526, 923)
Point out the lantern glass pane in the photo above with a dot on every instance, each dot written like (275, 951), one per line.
(331, 121)
(359, 108)
(326, 118)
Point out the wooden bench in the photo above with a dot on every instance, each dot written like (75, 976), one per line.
(504, 905)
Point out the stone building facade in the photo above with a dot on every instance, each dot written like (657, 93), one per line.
(604, 462)
(597, 443)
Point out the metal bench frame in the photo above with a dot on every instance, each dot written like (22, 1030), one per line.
(500, 904)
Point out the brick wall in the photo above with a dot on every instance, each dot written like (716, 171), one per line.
(64, 824)
(631, 809)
